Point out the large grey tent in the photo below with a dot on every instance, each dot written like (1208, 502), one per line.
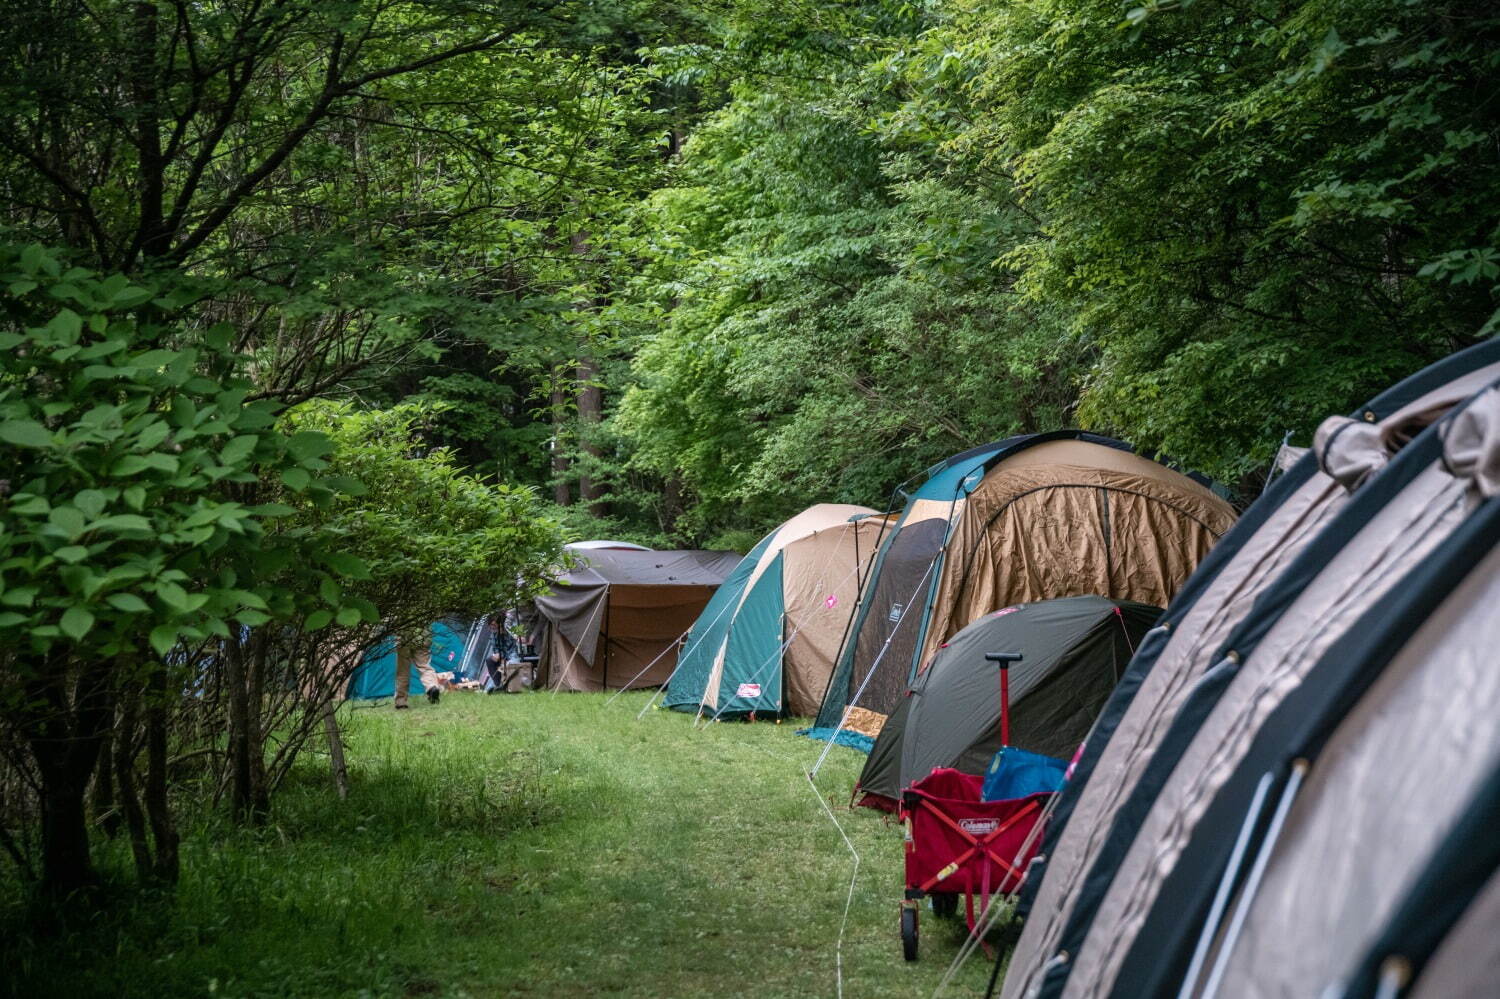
(616, 617)
(1298, 753)
(1074, 651)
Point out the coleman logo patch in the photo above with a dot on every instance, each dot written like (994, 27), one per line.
(748, 690)
(895, 614)
(978, 827)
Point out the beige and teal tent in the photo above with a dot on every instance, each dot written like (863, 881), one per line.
(768, 640)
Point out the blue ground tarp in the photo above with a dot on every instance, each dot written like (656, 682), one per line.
(853, 740)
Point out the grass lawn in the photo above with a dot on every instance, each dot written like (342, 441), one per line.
(515, 846)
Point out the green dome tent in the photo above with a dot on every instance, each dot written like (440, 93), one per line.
(767, 640)
(1073, 652)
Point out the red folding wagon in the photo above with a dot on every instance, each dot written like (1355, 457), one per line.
(958, 844)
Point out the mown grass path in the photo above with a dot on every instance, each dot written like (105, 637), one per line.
(530, 845)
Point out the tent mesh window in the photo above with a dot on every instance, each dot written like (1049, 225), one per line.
(894, 621)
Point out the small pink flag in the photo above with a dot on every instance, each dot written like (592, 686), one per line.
(832, 601)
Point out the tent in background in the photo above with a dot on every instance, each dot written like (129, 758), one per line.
(584, 546)
(615, 619)
(1074, 651)
(1030, 518)
(1283, 793)
(375, 676)
(768, 639)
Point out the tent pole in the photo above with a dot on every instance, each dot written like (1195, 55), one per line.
(1005, 704)
(604, 634)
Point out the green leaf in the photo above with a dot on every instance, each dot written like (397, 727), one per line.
(68, 519)
(128, 602)
(19, 596)
(348, 617)
(347, 565)
(307, 444)
(72, 553)
(10, 619)
(67, 324)
(121, 523)
(25, 433)
(247, 598)
(237, 450)
(317, 619)
(296, 479)
(130, 464)
(163, 638)
(329, 590)
(173, 596)
(130, 297)
(252, 617)
(135, 496)
(348, 485)
(90, 501)
(76, 622)
(31, 506)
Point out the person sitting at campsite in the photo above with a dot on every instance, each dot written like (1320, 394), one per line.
(418, 654)
(505, 651)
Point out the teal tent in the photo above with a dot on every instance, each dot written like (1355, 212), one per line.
(376, 675)
(767, 641)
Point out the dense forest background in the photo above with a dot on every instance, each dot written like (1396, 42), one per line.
(322, 319)
(686, 268)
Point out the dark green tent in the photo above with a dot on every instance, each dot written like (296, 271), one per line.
(1074, 650)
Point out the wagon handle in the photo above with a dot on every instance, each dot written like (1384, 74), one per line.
(1004, 659)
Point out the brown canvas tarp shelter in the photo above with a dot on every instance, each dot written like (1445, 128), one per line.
(620, 612)
(1317, 668)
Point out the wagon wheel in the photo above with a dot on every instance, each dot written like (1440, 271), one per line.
(909, 932)
(945, 904)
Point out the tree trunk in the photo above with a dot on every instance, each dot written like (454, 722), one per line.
(562, 493)
(590, 413)
(158, 808)
(590, 399)
(67, 867)
(335, 751)
(260, 792)
(239, 729)
(105, 806)
(64, 735)
(130, 802)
